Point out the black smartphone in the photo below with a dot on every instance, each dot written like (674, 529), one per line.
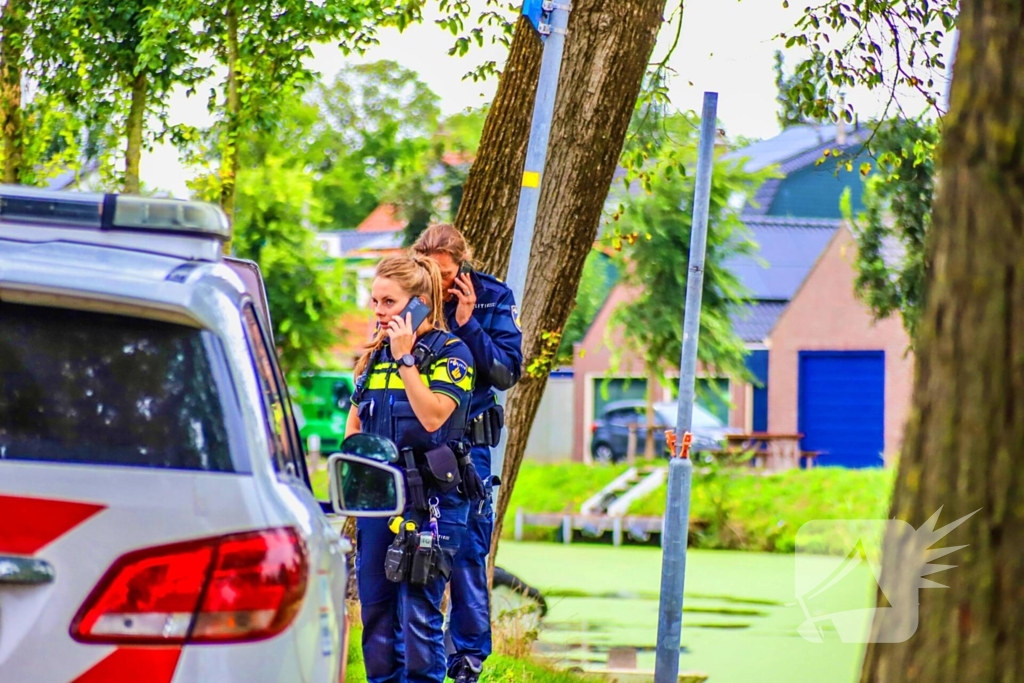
(465, 269)
(419, 311)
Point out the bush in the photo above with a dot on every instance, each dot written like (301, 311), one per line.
(764, 512)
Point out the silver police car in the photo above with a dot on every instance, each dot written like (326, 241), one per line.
(157, 521)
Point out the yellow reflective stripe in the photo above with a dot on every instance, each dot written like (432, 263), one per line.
(439, 373)
(380, 381)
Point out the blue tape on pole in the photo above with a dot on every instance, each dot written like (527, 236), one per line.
(532, 10)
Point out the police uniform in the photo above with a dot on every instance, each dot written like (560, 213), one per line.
(403, 639)
(494, 337)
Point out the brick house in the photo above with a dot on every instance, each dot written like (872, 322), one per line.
(825, 368)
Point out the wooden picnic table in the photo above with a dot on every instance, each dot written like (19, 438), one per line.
(775, 452)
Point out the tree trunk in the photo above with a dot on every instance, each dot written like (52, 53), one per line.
(136, 124)
(232, 114)
(11, 53)
(490, 197)
(652, 382)
(606, 54)
(964, 447)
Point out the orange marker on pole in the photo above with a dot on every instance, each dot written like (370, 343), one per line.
(670, 440)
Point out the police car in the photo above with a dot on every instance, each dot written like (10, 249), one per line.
(157, 521)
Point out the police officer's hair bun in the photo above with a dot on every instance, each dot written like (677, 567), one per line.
(443, 238)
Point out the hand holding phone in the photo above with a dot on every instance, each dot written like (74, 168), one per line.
(419, 311)
(463, 290)
(402, 332)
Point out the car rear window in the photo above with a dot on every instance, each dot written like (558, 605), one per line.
(91, 388)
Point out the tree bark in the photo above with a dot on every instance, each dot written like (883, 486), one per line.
(136, 125)
(964, 447)
(606, 54)
(12, 47)
(232, 114)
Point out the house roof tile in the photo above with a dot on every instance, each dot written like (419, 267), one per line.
(787, 249)
(755, 320)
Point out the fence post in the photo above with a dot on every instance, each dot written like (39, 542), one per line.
(313, 448)
(631, 444)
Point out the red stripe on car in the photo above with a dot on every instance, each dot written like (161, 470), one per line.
(134, 665)
(28, 524)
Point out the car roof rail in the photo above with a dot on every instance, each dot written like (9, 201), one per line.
(188, 229)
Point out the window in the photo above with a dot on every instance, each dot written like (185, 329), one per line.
(100, 389)
(286, 451)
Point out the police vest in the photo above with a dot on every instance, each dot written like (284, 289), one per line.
(446, 367)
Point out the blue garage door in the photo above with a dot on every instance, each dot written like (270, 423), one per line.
(842, 406)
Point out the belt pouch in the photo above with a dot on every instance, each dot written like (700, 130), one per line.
(443, 467)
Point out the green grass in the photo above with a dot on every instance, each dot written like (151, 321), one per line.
(559, 487)
(356, 672)
(321, 484)
(499, 669)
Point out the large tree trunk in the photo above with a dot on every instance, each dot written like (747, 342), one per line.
(232, 114)
(964, 448)
(12, 48)
(606, 54)
(136, 125)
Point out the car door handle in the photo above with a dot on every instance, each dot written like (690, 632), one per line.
(25, 571)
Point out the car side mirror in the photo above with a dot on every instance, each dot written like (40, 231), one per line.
(363, 483)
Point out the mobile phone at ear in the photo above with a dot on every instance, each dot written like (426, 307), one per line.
(419, 311)
(465, 269)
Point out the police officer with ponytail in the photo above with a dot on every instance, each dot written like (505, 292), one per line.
(481, 311)
(414, 386)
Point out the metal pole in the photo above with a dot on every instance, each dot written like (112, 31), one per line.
(680, 469)
(536, 155)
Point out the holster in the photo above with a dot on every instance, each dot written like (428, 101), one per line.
(443, 467)
(485, 429)
(414, 482)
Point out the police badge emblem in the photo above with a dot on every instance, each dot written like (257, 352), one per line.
(457, 369)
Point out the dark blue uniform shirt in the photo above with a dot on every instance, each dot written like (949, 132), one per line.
(494, 337)
(384, 408)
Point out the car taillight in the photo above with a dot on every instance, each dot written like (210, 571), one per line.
(240, 587)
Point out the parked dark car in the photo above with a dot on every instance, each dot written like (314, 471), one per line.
(610, 432)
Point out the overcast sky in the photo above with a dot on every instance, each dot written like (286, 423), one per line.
(726, 46)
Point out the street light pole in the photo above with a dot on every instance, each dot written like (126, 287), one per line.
(680, 469)
(551, 20)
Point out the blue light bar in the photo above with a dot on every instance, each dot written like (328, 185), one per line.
(112, 212)
(26, 205)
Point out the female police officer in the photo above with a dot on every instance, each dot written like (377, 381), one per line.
(414, 388)
(481, 311)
